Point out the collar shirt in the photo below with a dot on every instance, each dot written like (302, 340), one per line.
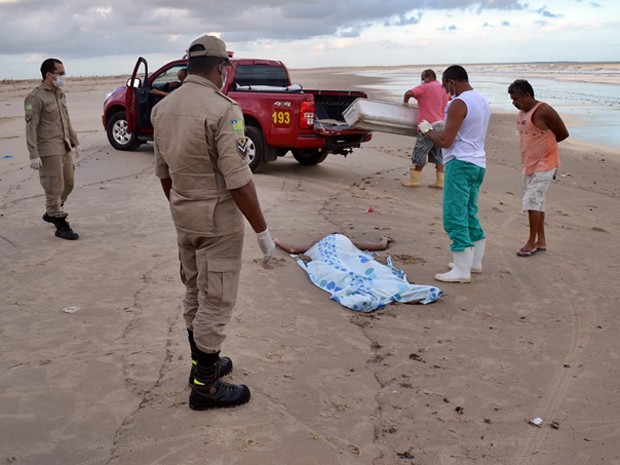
(200, 144)
(48, 126)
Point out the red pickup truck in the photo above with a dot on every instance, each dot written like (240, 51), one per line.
(279, 117)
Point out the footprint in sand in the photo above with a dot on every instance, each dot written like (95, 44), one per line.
(407, 259)
(272, 264)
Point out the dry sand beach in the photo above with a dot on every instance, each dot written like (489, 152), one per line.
(451, 383)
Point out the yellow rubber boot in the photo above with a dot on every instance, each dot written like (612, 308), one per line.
(414, 179)
(438, 180)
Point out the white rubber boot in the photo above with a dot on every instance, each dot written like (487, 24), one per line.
(461, 273)
(476, 265)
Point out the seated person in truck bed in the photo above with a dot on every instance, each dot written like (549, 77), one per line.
(161, 90)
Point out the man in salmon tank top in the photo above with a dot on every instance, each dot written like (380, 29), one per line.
(540, 129)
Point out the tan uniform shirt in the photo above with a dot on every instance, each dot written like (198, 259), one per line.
(200, 142)
(48, 127)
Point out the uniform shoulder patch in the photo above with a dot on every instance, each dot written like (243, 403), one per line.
(28, 109)
(242, 147)
(237, 125)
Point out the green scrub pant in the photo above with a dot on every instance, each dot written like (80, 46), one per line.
(460, 204)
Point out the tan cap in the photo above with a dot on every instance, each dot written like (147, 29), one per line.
(214, 47)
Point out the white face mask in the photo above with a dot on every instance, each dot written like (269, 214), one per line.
(224, 76)
(60, 81)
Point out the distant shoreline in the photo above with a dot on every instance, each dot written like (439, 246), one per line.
(606, 72)
(379, 83)
(595, 72)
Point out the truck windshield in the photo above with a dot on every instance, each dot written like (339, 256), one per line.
(261, 75)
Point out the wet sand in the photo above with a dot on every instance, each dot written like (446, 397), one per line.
(454, 382)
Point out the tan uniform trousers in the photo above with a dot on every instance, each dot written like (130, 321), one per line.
(57, 179)
(210, 268)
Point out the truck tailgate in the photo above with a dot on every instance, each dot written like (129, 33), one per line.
(329, 106)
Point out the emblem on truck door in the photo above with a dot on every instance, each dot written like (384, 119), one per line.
(279, 103)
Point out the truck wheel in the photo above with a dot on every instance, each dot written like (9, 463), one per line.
(309, 157)
(255, 149)
(118, 136)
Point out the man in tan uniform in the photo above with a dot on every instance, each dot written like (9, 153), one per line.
(200, 158)
(50, 138)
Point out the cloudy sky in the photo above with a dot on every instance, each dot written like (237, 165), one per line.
(105, 37)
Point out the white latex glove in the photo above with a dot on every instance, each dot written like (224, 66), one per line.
(35, 164)
(78, 151)
(425, 126)
(266, 244)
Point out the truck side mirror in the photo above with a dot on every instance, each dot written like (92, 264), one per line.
(133, 82)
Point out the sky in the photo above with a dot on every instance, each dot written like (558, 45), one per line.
(94, 37)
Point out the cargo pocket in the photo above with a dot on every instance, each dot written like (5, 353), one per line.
(217, 300)
(223, 261)
(222, 291)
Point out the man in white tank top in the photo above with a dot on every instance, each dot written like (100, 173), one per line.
(462, 141)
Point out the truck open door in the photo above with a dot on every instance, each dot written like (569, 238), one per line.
(137, 96)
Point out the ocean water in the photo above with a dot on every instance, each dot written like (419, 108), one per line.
(590, 110)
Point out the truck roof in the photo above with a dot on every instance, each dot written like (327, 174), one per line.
(243, 61)
(255, 61)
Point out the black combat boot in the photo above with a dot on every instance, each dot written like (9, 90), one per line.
(225, 363)
(209, 391)
(48, 219)
(63, 230)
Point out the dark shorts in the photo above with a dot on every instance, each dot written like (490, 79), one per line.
(425, 149)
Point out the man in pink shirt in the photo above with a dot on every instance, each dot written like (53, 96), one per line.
(432, 101)
(540, 130)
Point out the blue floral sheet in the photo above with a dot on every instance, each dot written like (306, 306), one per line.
(357, 281)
